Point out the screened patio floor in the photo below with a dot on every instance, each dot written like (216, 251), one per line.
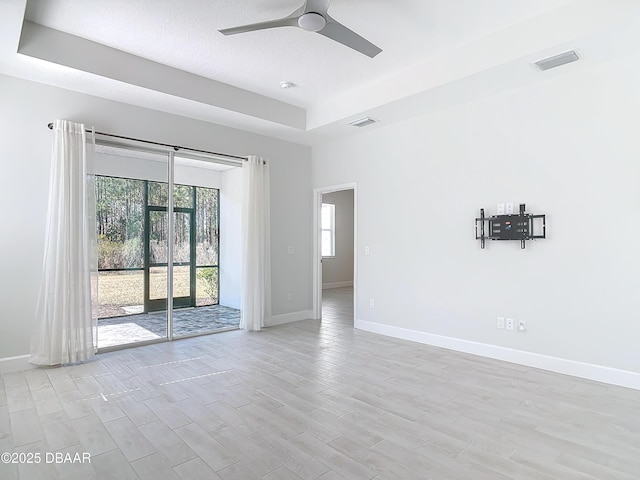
(152, 326)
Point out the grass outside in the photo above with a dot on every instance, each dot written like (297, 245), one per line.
(121, 289)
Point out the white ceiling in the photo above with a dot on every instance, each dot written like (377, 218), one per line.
(435, 53)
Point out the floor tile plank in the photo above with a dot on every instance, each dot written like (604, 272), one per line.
(316, 400)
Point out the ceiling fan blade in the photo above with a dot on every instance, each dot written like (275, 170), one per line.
(290, 21)
(317, 6)
(341, 34)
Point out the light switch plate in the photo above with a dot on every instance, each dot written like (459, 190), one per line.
(500, 209)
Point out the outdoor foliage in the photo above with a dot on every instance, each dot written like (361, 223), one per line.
(120, 224)
(118, 254)
(209, 278)
(124, 289)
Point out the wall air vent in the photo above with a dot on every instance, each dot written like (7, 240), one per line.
(557, 60)
(363, 122)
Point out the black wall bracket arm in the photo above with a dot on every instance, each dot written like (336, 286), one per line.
(522, 226)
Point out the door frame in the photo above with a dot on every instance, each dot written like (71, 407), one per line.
(317, 246)
(161, 304)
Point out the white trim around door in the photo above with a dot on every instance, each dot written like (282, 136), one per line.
(317, 251)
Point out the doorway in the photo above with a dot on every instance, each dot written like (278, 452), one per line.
(155, 268)
(155, 242)
(337, 287)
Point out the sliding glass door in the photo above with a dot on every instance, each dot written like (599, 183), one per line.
(137, 230)
(123, 179)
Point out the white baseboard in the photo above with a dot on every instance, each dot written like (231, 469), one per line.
(599, 373)
(15, 364)
(289, 317)
(337, 285)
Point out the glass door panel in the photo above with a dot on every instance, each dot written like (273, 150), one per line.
(183, 284)
(182, 238)
(158, 285)
(207, 315)
(132, 225)
(123, 177)
(184, 288)
(156, 248)
(157, 236)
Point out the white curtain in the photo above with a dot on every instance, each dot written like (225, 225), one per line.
(66, 329)
(255, 301)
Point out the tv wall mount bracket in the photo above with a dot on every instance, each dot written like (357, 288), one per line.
(522, 226)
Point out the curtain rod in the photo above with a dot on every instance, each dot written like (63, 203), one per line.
(175, 147)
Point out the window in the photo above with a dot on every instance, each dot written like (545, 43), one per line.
(132, 231)
(328, 216)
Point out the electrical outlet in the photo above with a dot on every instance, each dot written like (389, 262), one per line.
(509, 324)
(500, 323)
(291, 250)
(367, 250)
(289, 297)
(509, 208)
(522, 325)
(372, 303)
(500, 209)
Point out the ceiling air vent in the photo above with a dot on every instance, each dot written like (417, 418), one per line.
(362, 122)
(557, 60)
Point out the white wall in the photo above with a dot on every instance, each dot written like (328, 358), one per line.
(338, 270)
(131, 167)
(231, 238)
(197, 176)
(24, 175)
(568, 148)
(291, 273)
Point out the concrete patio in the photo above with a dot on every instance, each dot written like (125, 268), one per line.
(150, 326)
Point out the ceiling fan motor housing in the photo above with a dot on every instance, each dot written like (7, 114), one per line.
(311, 22)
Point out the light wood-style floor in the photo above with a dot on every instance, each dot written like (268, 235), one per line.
(315, 400)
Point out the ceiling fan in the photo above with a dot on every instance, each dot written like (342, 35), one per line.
(313, 17)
